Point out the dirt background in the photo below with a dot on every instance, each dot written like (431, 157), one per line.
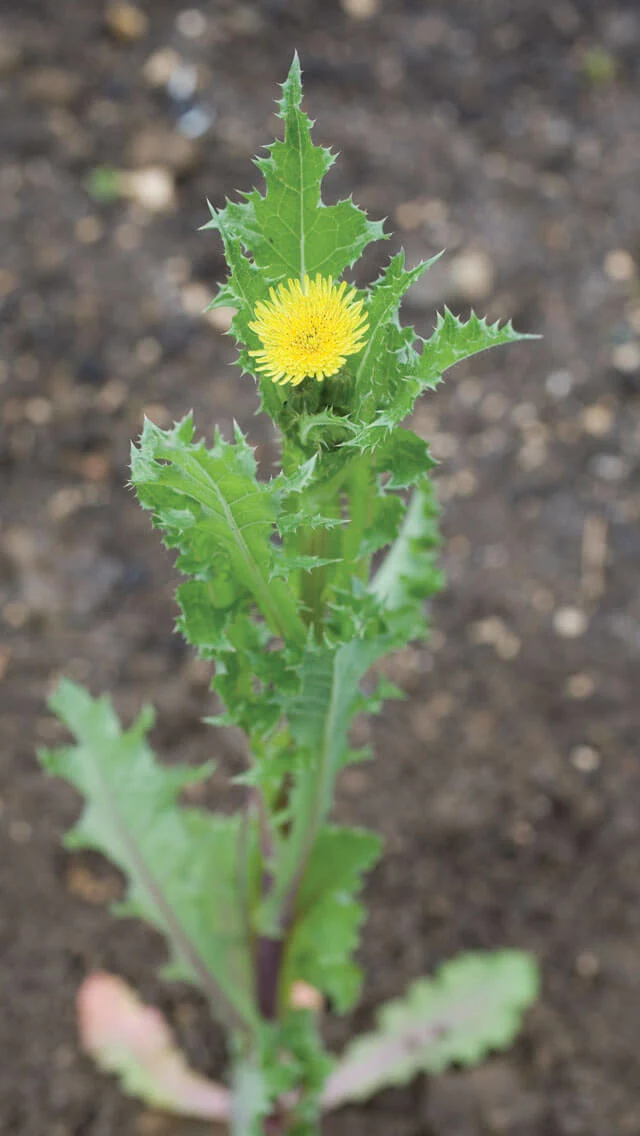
(508, 788)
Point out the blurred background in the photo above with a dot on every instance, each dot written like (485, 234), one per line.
(507, 789)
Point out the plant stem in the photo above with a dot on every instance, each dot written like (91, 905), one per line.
(312, 584)
(359, 487)
(269, 954)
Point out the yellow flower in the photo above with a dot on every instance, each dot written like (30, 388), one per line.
(307, 329)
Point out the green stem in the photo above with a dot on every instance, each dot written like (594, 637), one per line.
(312, 583)
(359, 489)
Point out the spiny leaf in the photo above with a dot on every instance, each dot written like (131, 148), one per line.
(409, 573)
(180, 862)
(290, 231)
(286, 564)
(212, 508)
(473, 1005)
(454, 339)
(386, 511)
(299, 234)
(405, 456)
(245, 286)
(378, 367)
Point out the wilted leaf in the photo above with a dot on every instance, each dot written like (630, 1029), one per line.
(134, 1042)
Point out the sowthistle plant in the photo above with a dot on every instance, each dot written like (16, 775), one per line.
(296, 587)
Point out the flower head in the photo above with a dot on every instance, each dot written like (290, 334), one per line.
(307, 329)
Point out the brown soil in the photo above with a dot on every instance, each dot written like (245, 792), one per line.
(508, 788)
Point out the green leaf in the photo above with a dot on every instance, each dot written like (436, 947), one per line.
(319, 716)
(454, 339)
(288, 563)
(379, 369)
(321, 713)
(405, 456)
(328, 916)
(397, 373)
(386, 511)
(473, 1005)
(212, 507)
(289, 230)
(409, 574)
(181, 863)
(245, 286)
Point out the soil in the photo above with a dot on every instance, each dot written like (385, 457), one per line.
(507, 789)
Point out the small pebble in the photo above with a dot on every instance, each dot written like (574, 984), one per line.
(195, 122)
(493, 407)
(191, 23)
(221, 318)
(361, 9)
(125, 22)
(495, 632)
(38, 411)
(64, 503)
(469, 391)
(195, 298)
(626, 357)
(569, 622)
(559, 384)
(585, 759)
(597, 419)
(444, 446)
(580, 686)
(532, 455)
(464, 483)
(608, 467)
(152, 188)
(160, 66)
(148, 351)
(524, 415)
(183, 82)
(587, 965)
(619, 265)
(472, 275)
